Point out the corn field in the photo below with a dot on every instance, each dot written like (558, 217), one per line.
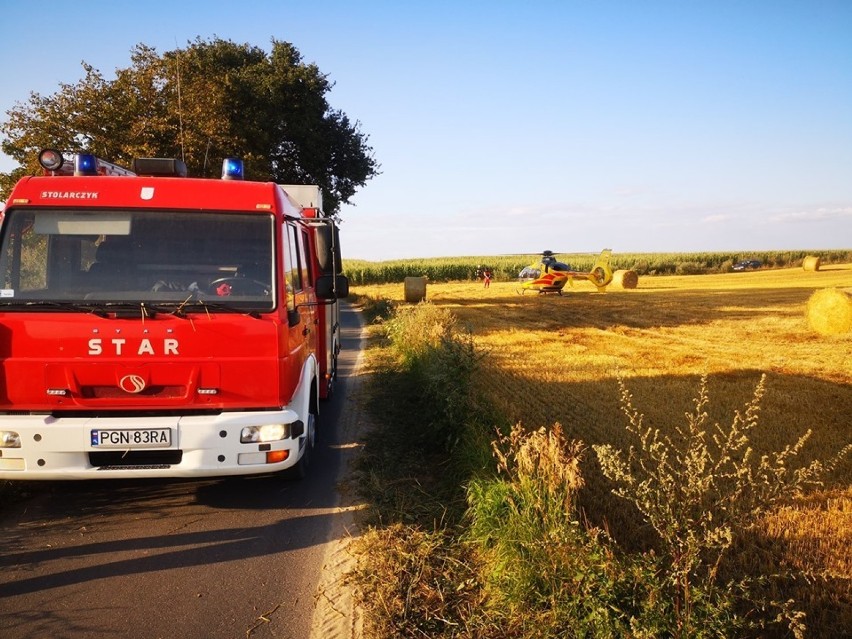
(505, 268)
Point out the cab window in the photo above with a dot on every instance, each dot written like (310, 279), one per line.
(292, 266)
(307, 267)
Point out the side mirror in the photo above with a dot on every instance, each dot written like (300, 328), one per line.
(331, 287)
(328, 249)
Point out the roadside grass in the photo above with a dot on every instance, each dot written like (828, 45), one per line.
(456, 521)
(414, 578)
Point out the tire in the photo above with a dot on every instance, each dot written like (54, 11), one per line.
(300, 469)
(329, 391)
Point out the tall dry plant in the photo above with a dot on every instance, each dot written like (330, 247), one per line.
(699, 489)
(524, 519)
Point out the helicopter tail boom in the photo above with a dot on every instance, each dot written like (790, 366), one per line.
(601, 273)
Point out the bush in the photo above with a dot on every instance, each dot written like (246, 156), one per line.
(700, 490)
(689, 268)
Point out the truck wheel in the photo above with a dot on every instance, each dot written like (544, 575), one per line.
(300, 469)
(329, 390)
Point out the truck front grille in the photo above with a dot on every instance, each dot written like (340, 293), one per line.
(114, 392)
(107, 460)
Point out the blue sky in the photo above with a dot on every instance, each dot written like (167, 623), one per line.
(511, 127)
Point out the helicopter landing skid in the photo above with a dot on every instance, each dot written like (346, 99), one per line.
(540, 291)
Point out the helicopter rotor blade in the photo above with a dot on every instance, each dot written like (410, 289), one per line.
(532, 254)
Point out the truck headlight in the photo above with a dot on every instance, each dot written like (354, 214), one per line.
(265, 433)
(9, 439)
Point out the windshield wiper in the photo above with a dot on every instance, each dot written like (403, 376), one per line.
(134, 309)
(144, 309)
(196, 303)
(95, 309)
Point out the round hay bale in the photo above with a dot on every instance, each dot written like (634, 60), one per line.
(811, 263)
(625, 279)
(415, 289)
(830, 311)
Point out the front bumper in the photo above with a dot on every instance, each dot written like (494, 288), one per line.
(200, 446)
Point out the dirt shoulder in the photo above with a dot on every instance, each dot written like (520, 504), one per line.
(335, 614)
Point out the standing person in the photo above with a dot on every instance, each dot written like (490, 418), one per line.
(486, 277)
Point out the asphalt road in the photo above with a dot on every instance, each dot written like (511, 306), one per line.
(206, 559)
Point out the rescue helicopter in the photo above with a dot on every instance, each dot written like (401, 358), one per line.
(549, 275)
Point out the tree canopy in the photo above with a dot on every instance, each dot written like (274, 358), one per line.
(210, 100)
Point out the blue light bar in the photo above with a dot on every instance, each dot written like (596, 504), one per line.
(232, 169)
(85, 164)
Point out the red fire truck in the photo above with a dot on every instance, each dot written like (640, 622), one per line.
(157, 325)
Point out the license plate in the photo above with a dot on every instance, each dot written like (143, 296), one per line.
(132, 438)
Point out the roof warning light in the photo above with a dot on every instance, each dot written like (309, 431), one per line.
(232, 169)
(85, 164)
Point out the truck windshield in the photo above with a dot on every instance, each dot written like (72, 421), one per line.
(98, 256)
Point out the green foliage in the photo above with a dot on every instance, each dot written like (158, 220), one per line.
(442, 358)
(210, 100)
(544, 575)
(689, 268)
(375, 310)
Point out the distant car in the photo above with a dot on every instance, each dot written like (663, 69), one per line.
(746, 264)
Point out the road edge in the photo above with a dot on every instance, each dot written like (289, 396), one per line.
(335, 614)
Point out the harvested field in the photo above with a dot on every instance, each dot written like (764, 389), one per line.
(556, 358)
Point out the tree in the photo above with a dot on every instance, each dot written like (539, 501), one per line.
(210, 100)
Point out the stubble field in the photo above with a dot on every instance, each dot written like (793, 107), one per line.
(556, 358)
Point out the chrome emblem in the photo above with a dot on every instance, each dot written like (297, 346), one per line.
(132, 384)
